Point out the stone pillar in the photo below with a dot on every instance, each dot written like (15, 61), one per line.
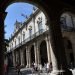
(35, 50)
(28, 57)
(58, 51)
(16, 53)
(53, 59)
(22, 57)
(2, 46)
(73, 46)
(48, 49)
(38, 53)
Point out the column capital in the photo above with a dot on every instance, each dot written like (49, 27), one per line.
(46, 38)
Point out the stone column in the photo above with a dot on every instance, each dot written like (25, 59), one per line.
(48, 49)
(53, 59)
(38, 53)
(16, 56)
(73, 46)
(22, 57)
(35, 49)
(28, 57)
(2, 46)
(58, 51)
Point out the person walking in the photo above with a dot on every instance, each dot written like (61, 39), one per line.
(47, 66)
(18, 69)
(51, 68)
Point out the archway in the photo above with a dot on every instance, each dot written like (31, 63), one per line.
(69, 52)
(55, 8)
(67, 22)
(10, 59)
(25, 62)
(43, 53)
(32, 54)
(20, 40)
(18, 57)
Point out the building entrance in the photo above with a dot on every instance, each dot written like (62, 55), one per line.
(32, 54)
(25, 63)
(43, 53)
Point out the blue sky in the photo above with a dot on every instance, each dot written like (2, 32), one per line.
(15, 12)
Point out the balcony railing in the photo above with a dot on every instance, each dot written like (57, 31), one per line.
(41, 31)
(67, 28)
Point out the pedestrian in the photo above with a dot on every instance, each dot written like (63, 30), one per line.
(5, 69)
(47, 66)
(33, 67)
(40, 67)
(18, 69)
(51, 68)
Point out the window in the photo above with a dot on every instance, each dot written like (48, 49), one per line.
(39, 22)
(30, 30)
(12, 45)
(19, 39)
(23, 35)
(63, 22)
(15, 42)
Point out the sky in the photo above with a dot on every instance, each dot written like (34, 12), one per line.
(14, 12)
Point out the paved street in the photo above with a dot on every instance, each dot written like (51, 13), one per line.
(24, 72)
(27, 71)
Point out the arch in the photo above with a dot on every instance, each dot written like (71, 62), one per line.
(67, 21)
(43, 53)
(57, 26)
(32, 2)
(32, 48)
(18, 57)
(32, 54)
(10, 59)
(25, 62)
(68, 52)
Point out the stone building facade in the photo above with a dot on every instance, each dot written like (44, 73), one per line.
(30, 41)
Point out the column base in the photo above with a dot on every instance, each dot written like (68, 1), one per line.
(28, 66)
(61, 72)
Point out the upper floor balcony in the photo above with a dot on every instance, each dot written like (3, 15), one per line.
(34, 36)
(67, 28)
(67, 25)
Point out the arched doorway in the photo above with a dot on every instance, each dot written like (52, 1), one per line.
(69, 52)
(10, 59)
(25, 62)
(18, 60)
(21, 36)
(32, 54)
(53, 27)
(43, 53)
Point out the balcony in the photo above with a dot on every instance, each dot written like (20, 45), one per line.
(67, 28)
(41, 31)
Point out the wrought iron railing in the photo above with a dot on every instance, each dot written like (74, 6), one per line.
(67, 28)
(29, 38)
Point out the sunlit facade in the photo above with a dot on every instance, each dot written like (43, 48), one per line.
(30, 41)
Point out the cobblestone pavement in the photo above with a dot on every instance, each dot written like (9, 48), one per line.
(27, 71)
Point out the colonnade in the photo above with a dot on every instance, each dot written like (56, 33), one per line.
(56, 38)
(37, 55)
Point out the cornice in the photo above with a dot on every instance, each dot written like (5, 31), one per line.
(25, 23)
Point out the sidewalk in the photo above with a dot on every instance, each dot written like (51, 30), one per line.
(28, 71)
(73, 71)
